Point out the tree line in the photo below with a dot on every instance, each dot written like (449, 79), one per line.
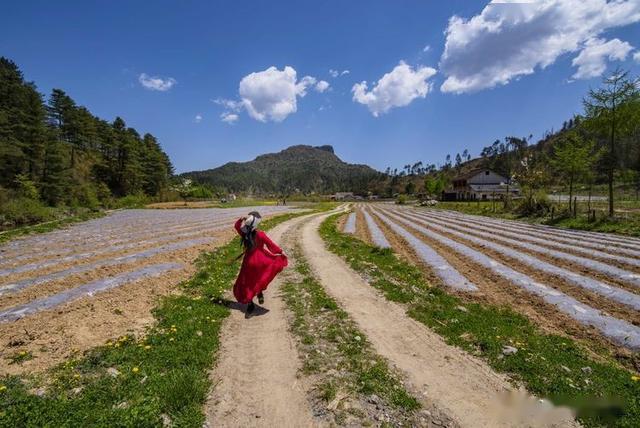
(601, 146)
(57, 152)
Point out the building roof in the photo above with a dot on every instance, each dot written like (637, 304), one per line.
(492, 188)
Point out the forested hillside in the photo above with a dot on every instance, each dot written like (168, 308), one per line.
(296, 169)
(597, 151)
(56, 153)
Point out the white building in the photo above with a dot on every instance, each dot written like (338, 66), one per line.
(339, 196)
(481, 184)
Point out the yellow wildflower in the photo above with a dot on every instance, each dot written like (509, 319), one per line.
(135, 369)
(147, 347)
(635, 378)
(2, 388)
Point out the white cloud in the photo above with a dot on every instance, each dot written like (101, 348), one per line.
(154, 83)
(229, 118)
(508, 40)
(592, 60)
(335, 73)
(198, 118)
(229, 104)
(271, 95)
(636, 57)
(303, 84)
(395, 89)
(322, 86)
(427, 48)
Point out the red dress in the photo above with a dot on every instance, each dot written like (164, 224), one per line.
(259, 266)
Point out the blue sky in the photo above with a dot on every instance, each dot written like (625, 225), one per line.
(508, 70)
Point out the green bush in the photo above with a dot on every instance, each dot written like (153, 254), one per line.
(86, 196)
(200, 192)
(138, 200)
(23, 211)
(26, 187)
(535, 203)
(401, 200)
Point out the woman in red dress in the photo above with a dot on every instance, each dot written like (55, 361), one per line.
(259, 265)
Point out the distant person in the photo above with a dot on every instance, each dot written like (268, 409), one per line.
(259, 265)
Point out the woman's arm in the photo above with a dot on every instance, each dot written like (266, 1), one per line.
(271, 246)
(238, 226)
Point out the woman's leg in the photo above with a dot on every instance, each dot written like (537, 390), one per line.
(260, 298)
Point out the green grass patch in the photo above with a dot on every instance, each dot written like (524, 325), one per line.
(624, 226)
(548, 365)
(336, 352)
(137, 381)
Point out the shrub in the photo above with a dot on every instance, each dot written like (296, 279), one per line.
(138, 200)
(534, 204)
(26, 187)
(401, 200)
(23, 211)
(86, 195)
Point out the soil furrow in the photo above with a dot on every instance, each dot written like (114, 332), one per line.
(462, 386)
(575, 247)
(615, 301)
(622, 278)
(621, 332)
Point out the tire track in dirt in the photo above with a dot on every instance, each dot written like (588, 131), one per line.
(256, 378)
(464, 387)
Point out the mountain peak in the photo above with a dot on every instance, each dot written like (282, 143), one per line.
(299, 168)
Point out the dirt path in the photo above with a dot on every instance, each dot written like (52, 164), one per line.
(460, 385)
(256, 380)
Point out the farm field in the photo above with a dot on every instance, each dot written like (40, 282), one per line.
(582, 284)
(444, 344)
(66, 291)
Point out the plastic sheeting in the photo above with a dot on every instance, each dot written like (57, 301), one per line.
(350, 225)
(129, 258)
(615, 272)
(377, 236)
(89, 289)
(608, 250)
(607, 238)
(613, 293)
(620, 331)
(441, 268)
(126, 224)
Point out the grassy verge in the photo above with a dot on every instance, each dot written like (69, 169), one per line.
(159, 378)
(548, 365)
(49, 226)
(342, 361)
(625, 224)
